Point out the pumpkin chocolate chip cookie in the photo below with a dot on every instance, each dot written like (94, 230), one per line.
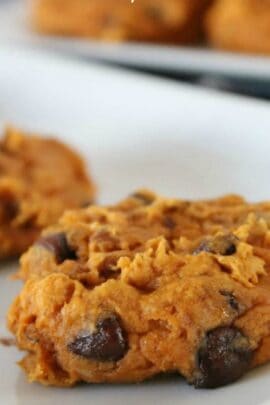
(39, 179)
(148, 286)
(240, 25)
(177, 21)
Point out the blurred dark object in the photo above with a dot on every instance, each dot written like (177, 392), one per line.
(246, 87)
(252, 88)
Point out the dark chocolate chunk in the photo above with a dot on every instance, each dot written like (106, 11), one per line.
(232, 301)
(146, 199)
(108, 268)
(223, 357)
(225, 245)
(169, 223)
(107, 343)
(109, 272)
(58, 245)
(9, 208)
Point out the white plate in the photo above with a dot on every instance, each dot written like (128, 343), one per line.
(175, 59)
(136, 132)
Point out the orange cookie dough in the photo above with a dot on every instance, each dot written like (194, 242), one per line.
(149, 286)
(39, 179)
(177, 21)
(240, 25)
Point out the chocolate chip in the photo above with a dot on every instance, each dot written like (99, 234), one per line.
(107, 343)
(9, 208)
(108, 267)
(224, 357)
(109, 272)
(146, 199)
(224, 245)
(169, 223)
(232, 301)
(58, 245)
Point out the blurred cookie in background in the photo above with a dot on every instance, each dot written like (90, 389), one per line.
(167, 21)
(40, 178)
(240, 25)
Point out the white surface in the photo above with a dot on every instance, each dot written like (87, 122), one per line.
(14, 29)
(136, 131)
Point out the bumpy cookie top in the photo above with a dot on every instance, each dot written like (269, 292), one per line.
(146, 238)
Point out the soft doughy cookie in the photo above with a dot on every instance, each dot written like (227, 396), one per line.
(240, 25)
(176, 21)
(39, 179)
(149, 286)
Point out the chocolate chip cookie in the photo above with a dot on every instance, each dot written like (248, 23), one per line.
(148, 286)
(39, 179)
(177, 21)
(240, 25)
